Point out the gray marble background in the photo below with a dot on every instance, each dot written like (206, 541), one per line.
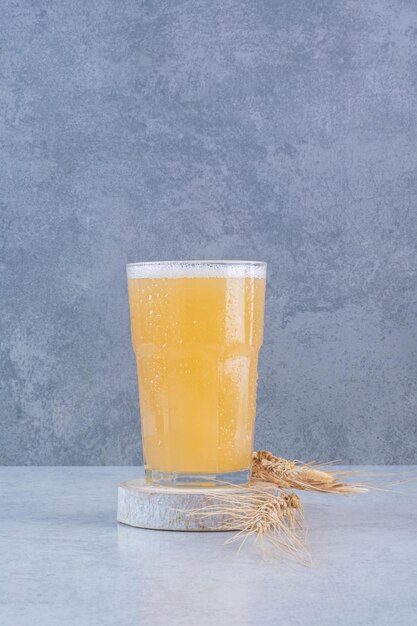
(277, 130)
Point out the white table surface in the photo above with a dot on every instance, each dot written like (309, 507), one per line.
(65, 560)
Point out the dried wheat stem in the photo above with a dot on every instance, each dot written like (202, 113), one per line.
(275, 519)
(306, 476)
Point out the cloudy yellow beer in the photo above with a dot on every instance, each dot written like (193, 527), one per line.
(196, 329)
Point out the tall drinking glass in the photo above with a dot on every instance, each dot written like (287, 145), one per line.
(197, 327)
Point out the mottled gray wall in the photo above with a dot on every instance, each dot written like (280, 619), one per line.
(278, 130)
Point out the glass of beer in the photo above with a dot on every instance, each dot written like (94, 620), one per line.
(197, 327)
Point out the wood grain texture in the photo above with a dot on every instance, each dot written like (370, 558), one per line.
(167, 508)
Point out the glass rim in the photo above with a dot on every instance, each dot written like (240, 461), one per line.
(197, 269)
(198, 262)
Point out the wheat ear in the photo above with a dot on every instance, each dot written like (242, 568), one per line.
(274, 519)
(306, 476)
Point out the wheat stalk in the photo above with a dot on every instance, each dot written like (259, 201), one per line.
(273, 518)
(305, 476)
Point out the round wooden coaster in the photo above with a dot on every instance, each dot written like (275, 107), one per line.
(167, 508)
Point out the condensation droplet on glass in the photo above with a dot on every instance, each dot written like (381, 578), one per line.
(164, 345)
(150, 297)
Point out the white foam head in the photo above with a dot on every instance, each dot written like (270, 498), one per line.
(197, 269)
